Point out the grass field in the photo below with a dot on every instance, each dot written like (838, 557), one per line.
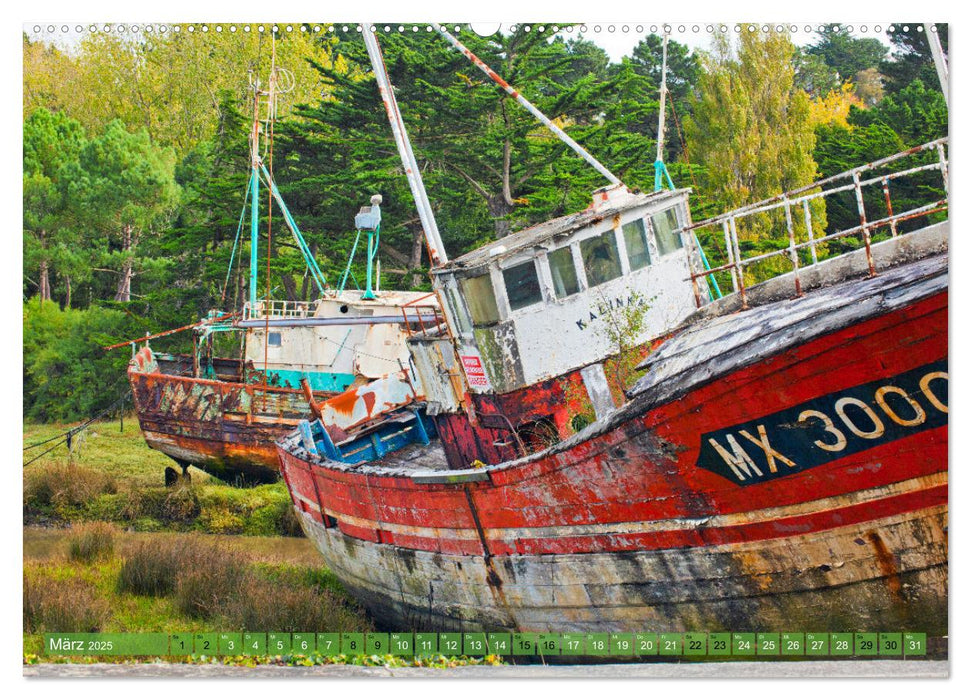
(109, 548)
(112, 475)
(98, 578)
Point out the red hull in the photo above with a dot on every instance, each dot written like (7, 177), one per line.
(637, 485)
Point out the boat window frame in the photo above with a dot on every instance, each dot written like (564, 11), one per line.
(645, 231)
(501, 305)
(522, 262)
(617, 246)
(457, 307)
(681, 218)
(573, 249)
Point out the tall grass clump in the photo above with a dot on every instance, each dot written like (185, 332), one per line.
(62, 605)
(210, 580)
(273, 605)
(152, 567)
(91, 542)
(65, 484)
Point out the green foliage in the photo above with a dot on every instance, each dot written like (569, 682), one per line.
(911, 58)
(916, 114)
(813, 75)
(52, 146)
(67, 375)
(847, 54)
(751, 127)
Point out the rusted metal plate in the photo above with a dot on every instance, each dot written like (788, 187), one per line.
(361, 404)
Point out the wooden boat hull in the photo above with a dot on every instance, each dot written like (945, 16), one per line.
(224, 428)
(780, 469)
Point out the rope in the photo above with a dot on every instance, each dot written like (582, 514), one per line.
(359, 352)
(66, 436)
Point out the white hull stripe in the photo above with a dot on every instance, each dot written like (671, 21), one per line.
(922, 483)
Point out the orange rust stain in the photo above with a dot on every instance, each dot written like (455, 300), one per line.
(886, 562)
(344, 403)
(369, 402)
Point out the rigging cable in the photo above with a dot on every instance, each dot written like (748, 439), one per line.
(239, 229)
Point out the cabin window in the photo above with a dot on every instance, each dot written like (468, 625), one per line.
(522, 285)
(564, 272)
(601, 259)
(635, 237)
(667, 231)
(481, 299)
(461, 317)
(275, 340)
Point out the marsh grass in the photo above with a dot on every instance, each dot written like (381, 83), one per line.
(90, 542)
(151, 567)
(264, 605)
(182, 583)
(60, 484)
(114, 476)
(62, 605)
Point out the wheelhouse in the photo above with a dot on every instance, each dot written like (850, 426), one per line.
(551, 298)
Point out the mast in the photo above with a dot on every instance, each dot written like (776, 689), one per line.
(254, 195)
(543, 119)
(660, 169)
(436, 250)
(940, 60)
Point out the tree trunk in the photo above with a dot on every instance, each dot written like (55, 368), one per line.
(417, 246)
(499, 209)
(124, 284)
(289, 285)
(45, 277)
(67, 293)
(304, 286)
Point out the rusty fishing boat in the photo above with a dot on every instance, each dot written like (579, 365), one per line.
(780, 463)
(222, 414)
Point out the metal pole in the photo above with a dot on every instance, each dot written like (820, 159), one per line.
(577, 148)
(431, 318)
(659, 169)
(664, 90)
(436, 249)
(255, 192)
(940, 60)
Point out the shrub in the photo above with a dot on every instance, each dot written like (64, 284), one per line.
(64, 484)
(65, 367)
(66, 605)
(222, 521)
(90, 542)
(179, 505)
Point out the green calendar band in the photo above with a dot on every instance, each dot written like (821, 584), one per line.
(743, 645)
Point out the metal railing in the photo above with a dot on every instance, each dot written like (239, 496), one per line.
(278, 308)
(427, 317)
(802, 198)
